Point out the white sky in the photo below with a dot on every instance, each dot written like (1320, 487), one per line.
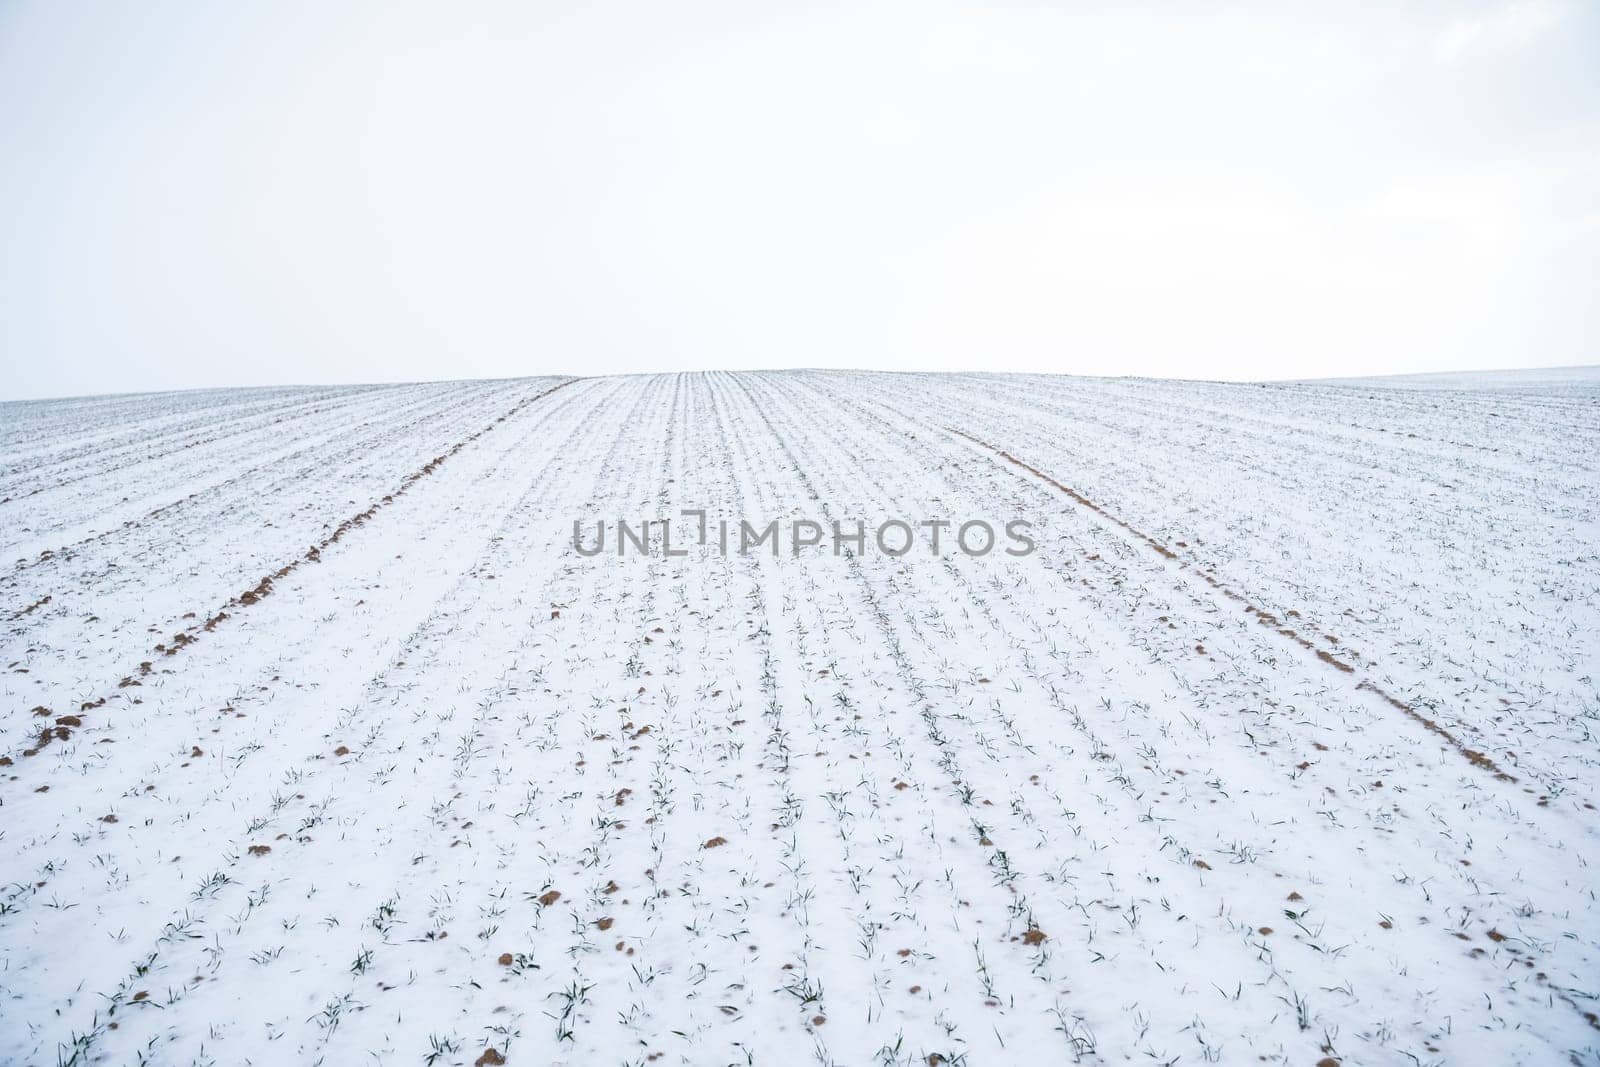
(197, 194)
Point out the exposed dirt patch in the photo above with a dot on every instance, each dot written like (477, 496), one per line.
(30, 609)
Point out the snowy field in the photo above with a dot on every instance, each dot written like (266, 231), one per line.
(324, 743)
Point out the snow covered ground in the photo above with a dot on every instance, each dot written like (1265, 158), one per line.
(323, 743)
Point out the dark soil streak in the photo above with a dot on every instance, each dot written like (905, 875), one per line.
(262, 589)
(1472, 756)
(30, 609)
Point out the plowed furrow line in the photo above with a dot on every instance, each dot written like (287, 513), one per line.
(351, 443)
(1473, 756)
(262, 589)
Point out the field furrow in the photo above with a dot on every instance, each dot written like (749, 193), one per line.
(595, 720)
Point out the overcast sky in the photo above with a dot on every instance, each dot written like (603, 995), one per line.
(197, 194)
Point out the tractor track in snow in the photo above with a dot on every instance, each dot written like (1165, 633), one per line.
(63, 725)
(1267, 619)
